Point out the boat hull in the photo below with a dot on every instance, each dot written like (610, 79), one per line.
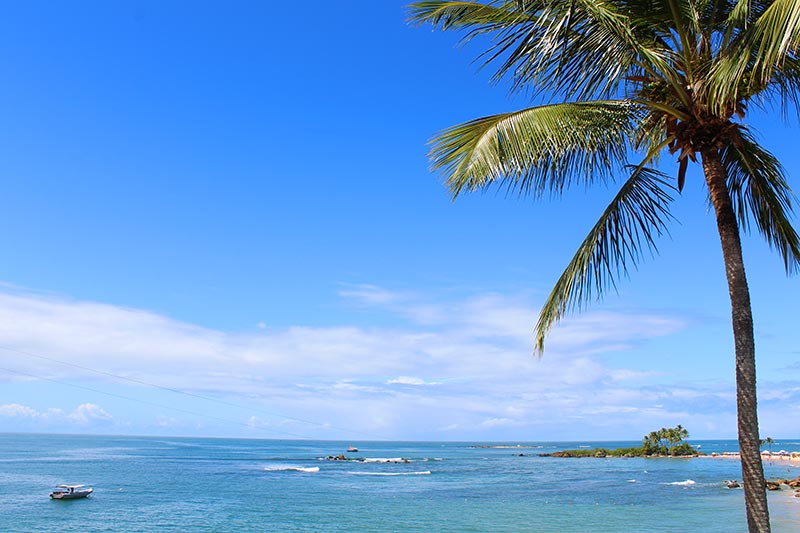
(71, 495)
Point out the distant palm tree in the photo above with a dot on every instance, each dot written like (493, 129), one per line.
(645, 77)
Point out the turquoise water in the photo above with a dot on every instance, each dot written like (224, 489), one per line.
(185, 484)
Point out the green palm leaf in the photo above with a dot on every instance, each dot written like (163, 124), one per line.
(536, 150)
(759, 192)
(579, 48)
(629, 225)
(756, 53)
(784, 87)
(482, 18)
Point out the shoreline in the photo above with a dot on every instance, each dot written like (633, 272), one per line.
(790, 458)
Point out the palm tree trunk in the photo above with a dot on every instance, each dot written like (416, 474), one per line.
(755, 495)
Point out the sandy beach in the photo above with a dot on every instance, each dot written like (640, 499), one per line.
(792, 458)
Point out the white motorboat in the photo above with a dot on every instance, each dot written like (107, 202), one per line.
(70, 492)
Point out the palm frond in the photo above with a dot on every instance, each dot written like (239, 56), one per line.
(759, 191)
(538, 149)
(683, 20)
(476, 17)
(626, 229)
(738, 18)
(584, 49)
(756, 53)
(784, 88)
(580, 49)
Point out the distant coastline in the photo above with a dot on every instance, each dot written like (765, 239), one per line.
(601, 453)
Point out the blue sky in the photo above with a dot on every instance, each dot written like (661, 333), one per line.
(222, 219)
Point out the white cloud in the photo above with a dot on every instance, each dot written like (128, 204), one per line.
(17, 410)
(626, 374)
(499, 422)
(348, 385)
(408, 380)
(371, 295)
(88, 413)
(83, 415)
(602, 331)
(479, 348)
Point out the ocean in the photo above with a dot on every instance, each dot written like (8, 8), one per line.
(149, 484)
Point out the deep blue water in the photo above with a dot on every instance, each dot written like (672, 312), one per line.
(229, 485)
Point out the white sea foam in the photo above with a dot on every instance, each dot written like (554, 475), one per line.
(387, 474)
(631, 481)
(311, 470)
(686, 483)
(397, 460)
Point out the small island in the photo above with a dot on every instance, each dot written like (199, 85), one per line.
(665, 442)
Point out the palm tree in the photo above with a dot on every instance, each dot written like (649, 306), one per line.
(637, 78)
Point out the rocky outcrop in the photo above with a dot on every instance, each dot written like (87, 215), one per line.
(791, 483)
(555, 454)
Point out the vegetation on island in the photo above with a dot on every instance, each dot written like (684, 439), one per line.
(627, 85)
(665, 442)
(668, 441)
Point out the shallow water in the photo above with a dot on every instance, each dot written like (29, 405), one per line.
(184, 484)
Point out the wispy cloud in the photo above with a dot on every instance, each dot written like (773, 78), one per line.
(88, 413)
(447, 366)
(18, 411)
(83, 415)
(499, 422)
(408, 380)
(371, 295)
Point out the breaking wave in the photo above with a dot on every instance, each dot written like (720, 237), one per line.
(388, 474)
(310, 470)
